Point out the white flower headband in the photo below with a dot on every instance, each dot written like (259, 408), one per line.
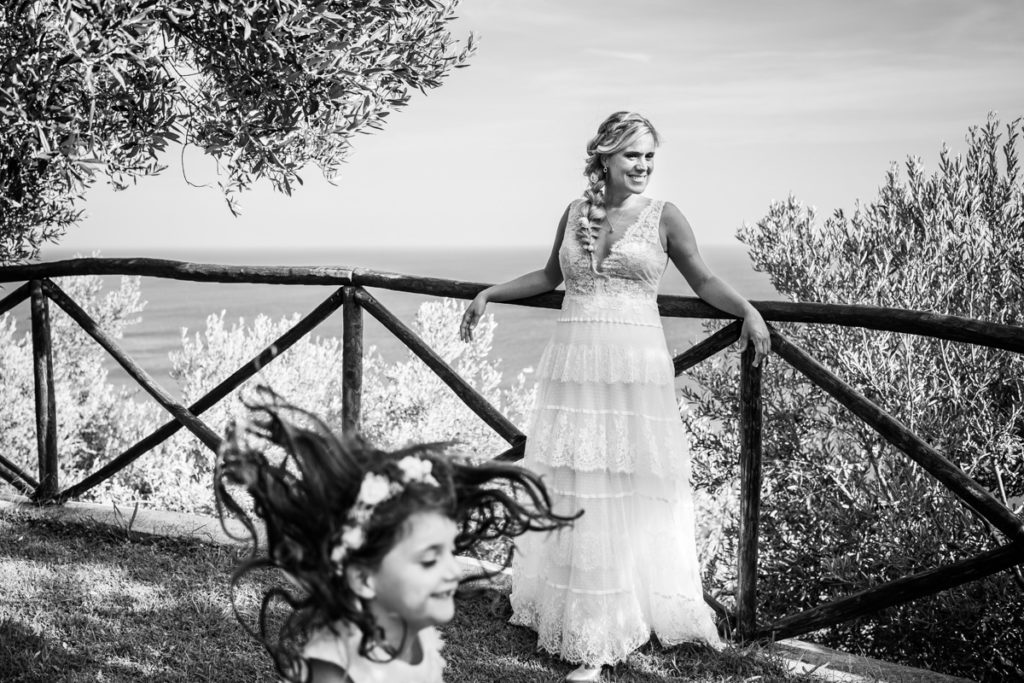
(376, 489)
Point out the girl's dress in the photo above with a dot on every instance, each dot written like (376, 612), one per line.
(606, 436)
(342, 650)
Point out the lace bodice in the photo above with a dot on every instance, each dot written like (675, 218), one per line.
(634, 264)
(625, 287)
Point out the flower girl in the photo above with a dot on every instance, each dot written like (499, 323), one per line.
(369, 538)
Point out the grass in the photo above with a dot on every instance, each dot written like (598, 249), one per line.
(490, 649)
(88, 602)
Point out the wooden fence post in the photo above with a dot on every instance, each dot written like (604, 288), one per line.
(46, 406)
(351, 362)
(750, 494)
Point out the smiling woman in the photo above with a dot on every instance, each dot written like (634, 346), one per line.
(605, 432)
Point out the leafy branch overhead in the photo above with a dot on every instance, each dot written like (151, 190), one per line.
(265, 87)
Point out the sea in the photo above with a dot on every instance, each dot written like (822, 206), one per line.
(175, 307)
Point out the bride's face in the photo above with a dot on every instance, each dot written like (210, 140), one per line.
(631, 167)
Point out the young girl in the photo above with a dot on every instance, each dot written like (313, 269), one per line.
(368, 538)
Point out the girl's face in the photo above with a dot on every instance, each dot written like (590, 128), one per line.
(631, 166)
(416, 580)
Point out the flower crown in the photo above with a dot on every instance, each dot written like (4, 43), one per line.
(375, 490)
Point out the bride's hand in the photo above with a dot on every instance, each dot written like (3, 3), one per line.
(755, 332)
(472, 316)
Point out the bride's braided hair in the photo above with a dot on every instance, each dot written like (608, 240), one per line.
(614, 133)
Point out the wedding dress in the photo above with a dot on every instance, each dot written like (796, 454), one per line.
(606, 437)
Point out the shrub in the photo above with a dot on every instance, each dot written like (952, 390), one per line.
(842, 510)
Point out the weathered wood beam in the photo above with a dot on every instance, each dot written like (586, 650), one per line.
(952, 477)
(16, 297)
(351, 362)
(17, 478)
(46, 404)
(750, 493)
(477, 403)
(175, 408)
(950, 327)
(22, 474)
(896, 592)
(723, 613)
(514, 453)
(180, 270)
(954, 328)
(707, 348)
(212, 397)
(457, 289)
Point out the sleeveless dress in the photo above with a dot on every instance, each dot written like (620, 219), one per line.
(606, 436)
(342, 650)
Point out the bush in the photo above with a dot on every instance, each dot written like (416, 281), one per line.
(842, 510)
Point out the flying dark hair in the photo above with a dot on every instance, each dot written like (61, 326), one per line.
(304, 498)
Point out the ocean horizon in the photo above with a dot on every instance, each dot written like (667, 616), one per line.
(175, 307)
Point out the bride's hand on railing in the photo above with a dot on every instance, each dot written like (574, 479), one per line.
(472, 316)
(755, 332)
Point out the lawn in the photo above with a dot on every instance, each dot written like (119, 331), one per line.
(88, 602)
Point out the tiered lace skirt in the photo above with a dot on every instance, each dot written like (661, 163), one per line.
(606, 437)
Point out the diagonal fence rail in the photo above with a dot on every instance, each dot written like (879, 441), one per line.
(352, 298)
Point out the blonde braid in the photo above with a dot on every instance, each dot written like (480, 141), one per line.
(592, 210)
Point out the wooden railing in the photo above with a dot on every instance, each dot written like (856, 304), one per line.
(352, 297)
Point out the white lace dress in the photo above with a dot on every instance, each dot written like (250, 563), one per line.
(606, 436)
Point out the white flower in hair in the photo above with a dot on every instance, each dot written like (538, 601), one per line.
(353, 537)
(339, 551)
(376, 488)
(418, 470)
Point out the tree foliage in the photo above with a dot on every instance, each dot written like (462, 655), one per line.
(90, 87)
(842, 510)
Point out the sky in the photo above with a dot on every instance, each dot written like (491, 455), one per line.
(754, 100)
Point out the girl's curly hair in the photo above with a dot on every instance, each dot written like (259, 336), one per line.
(304, 497)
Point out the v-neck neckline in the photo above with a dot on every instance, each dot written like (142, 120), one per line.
(598, 265)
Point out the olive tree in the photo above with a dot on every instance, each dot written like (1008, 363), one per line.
(842, 510)
(93, 88)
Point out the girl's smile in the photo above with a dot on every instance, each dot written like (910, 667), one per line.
(414, 586)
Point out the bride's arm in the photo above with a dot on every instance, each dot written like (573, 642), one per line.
(535, 282)
(682, 249)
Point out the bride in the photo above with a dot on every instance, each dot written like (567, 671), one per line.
(605, 432)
